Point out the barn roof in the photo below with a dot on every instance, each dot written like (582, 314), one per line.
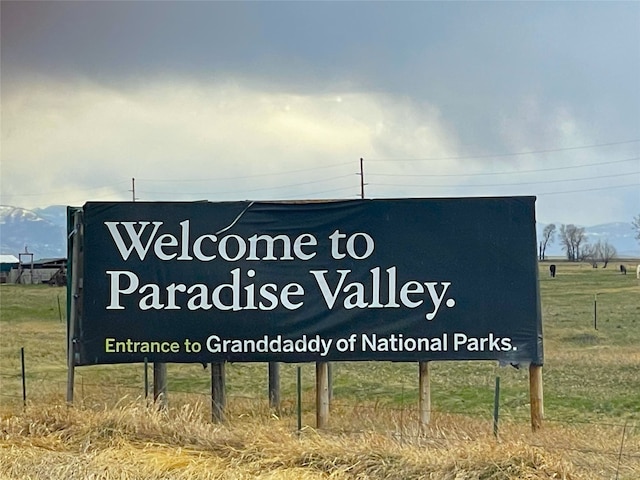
(48, 262)
(9, 259)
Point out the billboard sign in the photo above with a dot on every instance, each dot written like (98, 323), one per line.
(400, 279)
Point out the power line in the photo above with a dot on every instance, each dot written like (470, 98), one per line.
(325, 191)
(241, 177)
(70, 189)
(510, 172)
(609, 187)
(636, 185)
(508, 154)
(508, 184)
(279, 187)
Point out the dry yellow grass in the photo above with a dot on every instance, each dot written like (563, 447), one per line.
(135, 441)
(591, 402)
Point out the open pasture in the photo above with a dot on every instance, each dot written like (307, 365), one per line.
(591, 321)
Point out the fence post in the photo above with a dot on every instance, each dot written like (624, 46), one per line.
(624, 431)
(24, 378)
(299, 396)
(146, 378)
(424, 387)
(59, 310)
(496, 407)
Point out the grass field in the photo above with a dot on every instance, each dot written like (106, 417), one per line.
(591, 395)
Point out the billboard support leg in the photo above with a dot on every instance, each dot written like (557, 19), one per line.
(160, 385)
(322, 394)
(424, 387)
(73, 300)
(218, 399)
(536, 396)
(274, 386)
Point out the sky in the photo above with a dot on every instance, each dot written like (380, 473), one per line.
(183, 101)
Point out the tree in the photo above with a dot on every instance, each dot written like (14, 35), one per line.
(599, 252)
(607, 253)
(547, 237)
(636, 226)
(572, 237)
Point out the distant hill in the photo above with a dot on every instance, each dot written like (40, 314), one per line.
(43, 232)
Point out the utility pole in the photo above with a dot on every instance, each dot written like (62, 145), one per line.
(159, 369)
(362, 178)
(133, 189)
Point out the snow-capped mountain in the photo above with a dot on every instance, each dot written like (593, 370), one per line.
(41, 231)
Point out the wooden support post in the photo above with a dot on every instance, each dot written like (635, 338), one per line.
(322, 394)
(274, 386)
(74, 300)
(424, 387)
(218, 397)
(536, 396)
(160, 385)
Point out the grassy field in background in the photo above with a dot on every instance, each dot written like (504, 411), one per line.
(591, 389)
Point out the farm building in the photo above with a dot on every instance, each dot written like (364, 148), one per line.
(47, 270)
(7, 263)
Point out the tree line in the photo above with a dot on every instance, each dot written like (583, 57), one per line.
(573, 240)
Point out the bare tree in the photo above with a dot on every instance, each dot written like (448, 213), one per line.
(599, 252)
(572, 237)
(607, 253)
(547, 237)
(636, 226)
(591, 253)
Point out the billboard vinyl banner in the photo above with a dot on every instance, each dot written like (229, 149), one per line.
(401, 280)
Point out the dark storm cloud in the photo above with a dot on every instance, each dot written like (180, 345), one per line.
(474, 61)
(103, 80)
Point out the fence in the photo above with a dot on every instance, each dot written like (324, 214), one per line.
(389, 408)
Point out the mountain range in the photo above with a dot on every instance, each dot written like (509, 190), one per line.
(42, 231)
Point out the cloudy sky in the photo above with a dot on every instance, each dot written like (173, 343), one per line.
(281, 100)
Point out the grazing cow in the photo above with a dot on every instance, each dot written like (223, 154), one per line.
(638, 272)
(623, 269)
(552, 270)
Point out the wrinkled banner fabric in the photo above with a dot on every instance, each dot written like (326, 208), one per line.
(401, 280)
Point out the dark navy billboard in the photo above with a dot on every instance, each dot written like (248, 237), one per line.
(400, 279)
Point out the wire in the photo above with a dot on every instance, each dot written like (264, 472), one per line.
(280, 187)
(247, 176)
(511, 184)
(327, 191)
(510, 154)
(53, 192)
(636, 185)
(511, 172)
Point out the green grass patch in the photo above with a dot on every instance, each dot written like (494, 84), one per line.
(591, 320)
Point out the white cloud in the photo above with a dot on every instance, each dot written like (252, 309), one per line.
(62, 142)
(184, 140)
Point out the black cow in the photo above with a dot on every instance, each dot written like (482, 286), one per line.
(623, 269)
(552, 270)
